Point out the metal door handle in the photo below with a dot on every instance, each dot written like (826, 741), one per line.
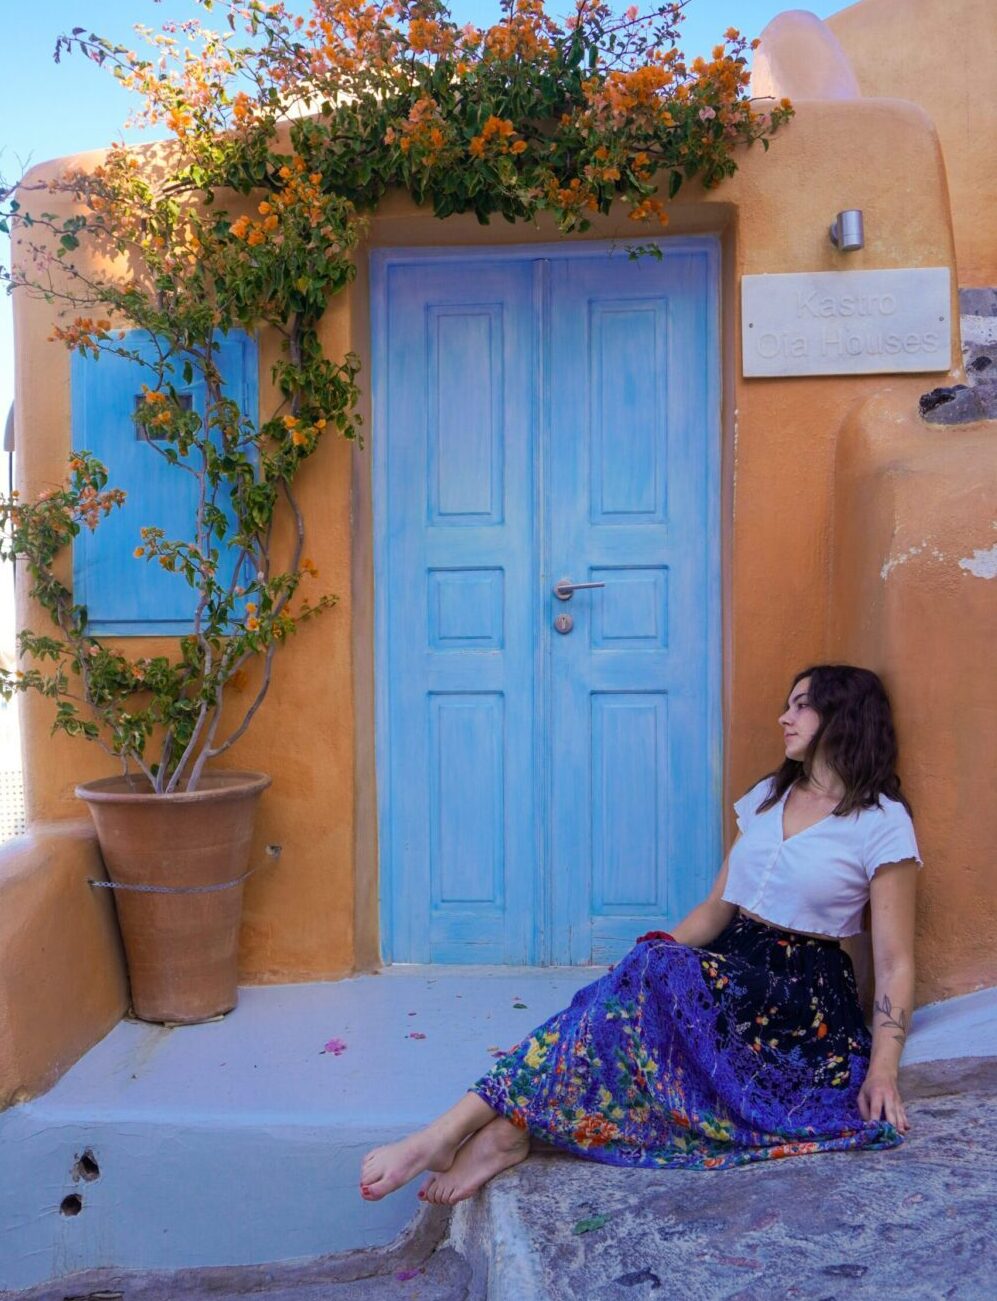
(564, 588)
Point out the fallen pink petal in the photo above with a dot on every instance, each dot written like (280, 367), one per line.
(415, 1034)
(334, 1046)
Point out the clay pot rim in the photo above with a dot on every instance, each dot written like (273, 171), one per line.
(225, 782)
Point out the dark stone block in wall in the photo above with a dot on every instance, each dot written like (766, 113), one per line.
(979, 361)
(960, 404)
(987, 393)
(978, 302)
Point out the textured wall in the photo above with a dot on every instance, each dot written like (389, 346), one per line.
(914, 583)
(941, 56)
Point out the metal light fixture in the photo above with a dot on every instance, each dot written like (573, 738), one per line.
(847, 233)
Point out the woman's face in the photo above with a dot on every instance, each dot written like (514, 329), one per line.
(799, 722)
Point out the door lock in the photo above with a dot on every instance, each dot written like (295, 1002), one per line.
(564, 623)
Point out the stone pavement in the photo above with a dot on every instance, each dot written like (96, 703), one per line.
(916, 1222)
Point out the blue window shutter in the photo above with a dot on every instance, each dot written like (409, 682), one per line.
(125, 595)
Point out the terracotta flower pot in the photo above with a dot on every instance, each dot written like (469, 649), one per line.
(181, 940)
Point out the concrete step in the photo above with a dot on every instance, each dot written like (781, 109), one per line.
(415, 1265)
(239, 1142)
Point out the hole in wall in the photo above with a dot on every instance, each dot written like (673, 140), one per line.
(86, 1167)
(71, 1205)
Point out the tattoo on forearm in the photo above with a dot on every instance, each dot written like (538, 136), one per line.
(895, 1018)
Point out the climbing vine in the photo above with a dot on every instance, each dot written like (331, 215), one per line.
(286, 131)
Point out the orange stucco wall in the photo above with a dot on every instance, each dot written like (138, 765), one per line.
(941, 56)
(913, 547)
(314, 913)
(62, 983)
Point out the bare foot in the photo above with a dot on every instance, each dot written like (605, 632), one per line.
(386, 1168)
(491, 1150)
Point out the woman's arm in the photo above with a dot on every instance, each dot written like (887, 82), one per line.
(891, 896)
(707, 919)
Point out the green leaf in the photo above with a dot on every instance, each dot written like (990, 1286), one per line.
(591, 1224)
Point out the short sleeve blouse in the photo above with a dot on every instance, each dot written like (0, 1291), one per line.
(817, 880)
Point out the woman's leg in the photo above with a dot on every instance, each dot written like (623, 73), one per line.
(386, 1168)
(494, 1148)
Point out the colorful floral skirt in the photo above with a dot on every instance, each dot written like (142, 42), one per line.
(750, 1049)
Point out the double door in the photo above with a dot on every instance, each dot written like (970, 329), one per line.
(547, 579)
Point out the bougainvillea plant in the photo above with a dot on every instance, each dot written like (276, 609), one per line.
(285, 132)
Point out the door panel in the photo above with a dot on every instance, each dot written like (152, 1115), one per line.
(545, 797)
(459, 413)
(632, 841)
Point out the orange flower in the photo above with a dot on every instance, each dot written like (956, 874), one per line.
(178, 120)
(821, 1030)
(595, 1131)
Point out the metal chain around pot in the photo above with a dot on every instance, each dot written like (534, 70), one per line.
(174, 889)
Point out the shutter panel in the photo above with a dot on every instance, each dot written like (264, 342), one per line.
(125, 595)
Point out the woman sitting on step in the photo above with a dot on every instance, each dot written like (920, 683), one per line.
(739, 1037)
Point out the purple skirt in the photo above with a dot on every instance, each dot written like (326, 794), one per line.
(750, 1049)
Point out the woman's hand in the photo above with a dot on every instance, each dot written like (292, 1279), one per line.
(879, 1098)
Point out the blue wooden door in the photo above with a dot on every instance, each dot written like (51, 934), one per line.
(457, 587)
(545, 795)
(633, 723)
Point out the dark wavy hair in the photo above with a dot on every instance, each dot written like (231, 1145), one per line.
(856, 734)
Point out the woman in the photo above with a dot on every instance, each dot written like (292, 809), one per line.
(739, 1037)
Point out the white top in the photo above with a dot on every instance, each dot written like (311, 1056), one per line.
(817, 880)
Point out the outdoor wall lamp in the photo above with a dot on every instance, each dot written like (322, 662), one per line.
(846, 230)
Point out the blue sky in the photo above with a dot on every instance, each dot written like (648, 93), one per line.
(52, 110)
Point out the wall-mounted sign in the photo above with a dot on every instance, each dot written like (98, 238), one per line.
(846, 322)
